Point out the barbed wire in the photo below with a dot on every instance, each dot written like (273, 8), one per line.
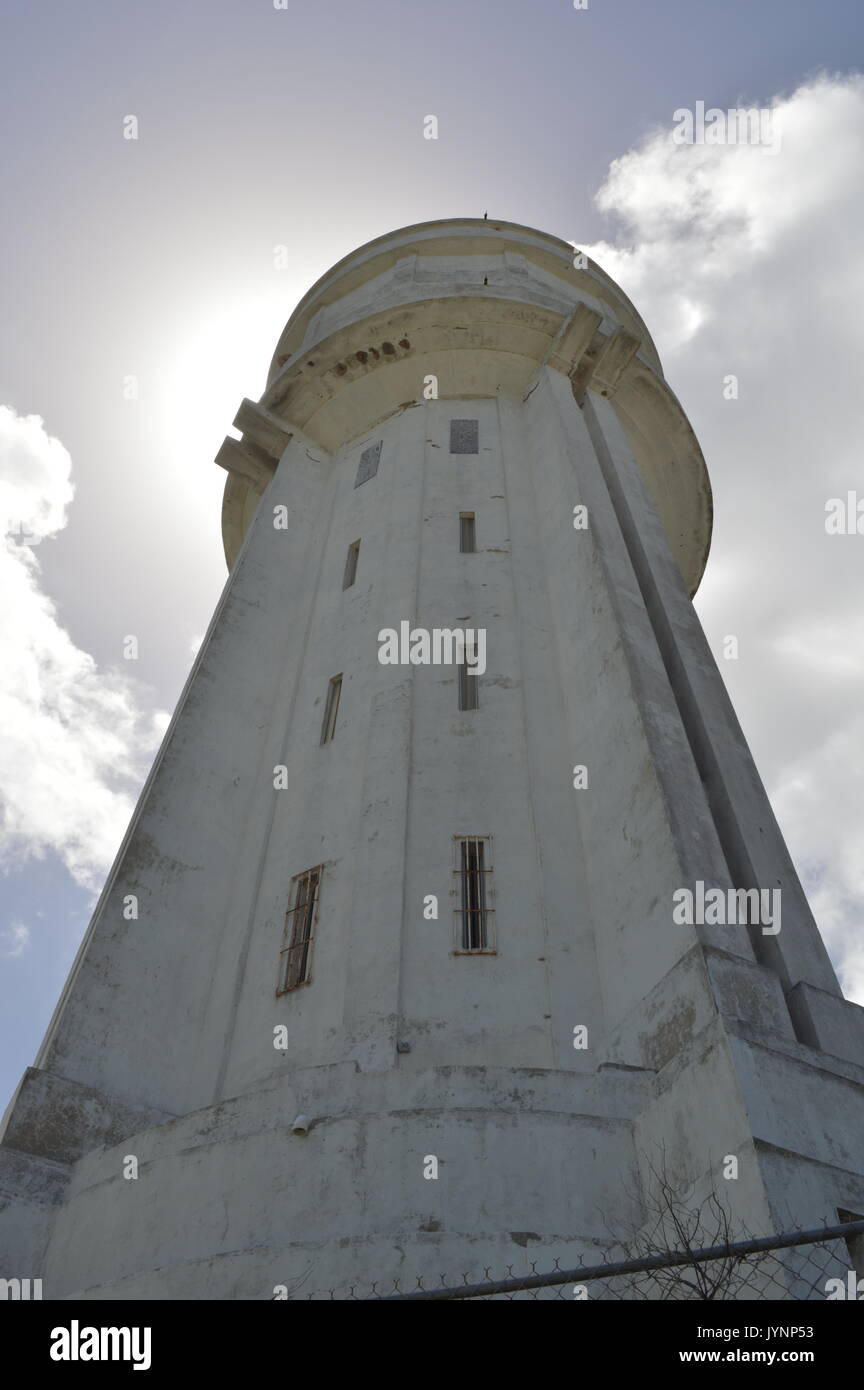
(745, 1269)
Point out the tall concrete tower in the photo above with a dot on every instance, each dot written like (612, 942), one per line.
(395, 972)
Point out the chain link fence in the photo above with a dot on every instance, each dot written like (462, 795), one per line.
(798, 1265)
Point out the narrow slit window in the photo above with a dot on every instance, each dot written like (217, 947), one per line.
(331, 709)
(351, 565)
(474, 915)
(467, 533)
(464, 436)
(469, 694)
(296, 955)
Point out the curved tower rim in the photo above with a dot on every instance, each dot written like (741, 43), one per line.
(392, 312)
(361, 253)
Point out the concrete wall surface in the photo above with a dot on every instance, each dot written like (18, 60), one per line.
(597, 1037)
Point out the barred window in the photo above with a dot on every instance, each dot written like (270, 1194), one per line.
(467, 533)
(300, 919)
(351, 565)
(331, 709)
(473, 886)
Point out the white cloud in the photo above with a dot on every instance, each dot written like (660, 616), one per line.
(160, 719)
(748, 263)
(35, 479)
(14, 939)
(74, 741)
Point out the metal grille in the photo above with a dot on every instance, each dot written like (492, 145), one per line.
(474, 915)
(467, 533)
(368, 464)
(464, 436)
(351, 565)
(331, 709)
(299, 929)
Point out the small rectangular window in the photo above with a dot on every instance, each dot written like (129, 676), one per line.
(463, 436)
(469, 693)
(331, 709)
(296, 954)
(368, 464)
(474, 915)
(351, 565)
(467, 534)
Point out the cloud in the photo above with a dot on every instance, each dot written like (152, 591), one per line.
(35, 479)
(14, 939)
(74, 740)
(749, 264)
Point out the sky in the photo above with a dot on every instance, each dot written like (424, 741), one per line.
(142, 298)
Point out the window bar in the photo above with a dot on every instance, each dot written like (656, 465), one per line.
(466, 933)
(473, 882)
(480, 942)
(302, 916)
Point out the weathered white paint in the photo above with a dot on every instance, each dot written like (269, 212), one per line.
(704, 1040)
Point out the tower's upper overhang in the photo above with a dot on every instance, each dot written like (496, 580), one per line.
(482, 305)
(453, 239)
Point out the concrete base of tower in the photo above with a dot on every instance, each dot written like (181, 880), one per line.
(400, 1175)
(436, 1175)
